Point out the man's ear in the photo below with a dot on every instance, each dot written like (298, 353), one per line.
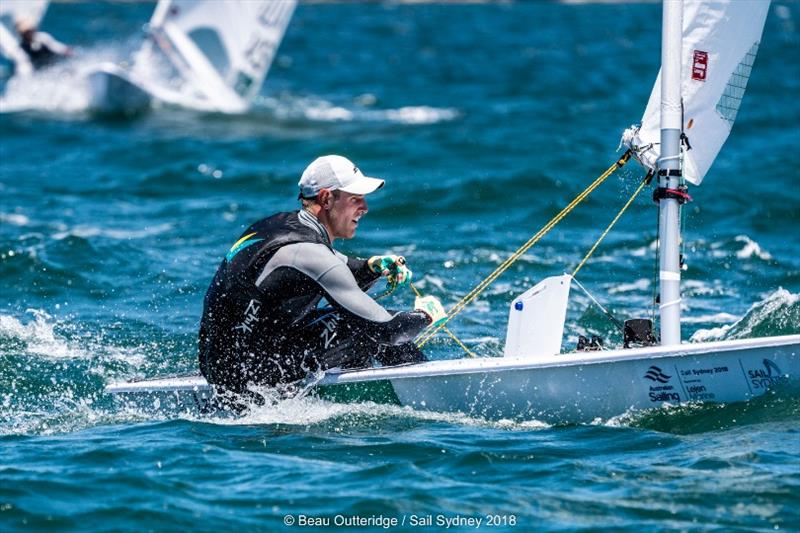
(325, 198)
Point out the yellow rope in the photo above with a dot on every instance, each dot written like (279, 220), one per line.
(458, 341)
(645, 181)
(459, 306)
(447, 330)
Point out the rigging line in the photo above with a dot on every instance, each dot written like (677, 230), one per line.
(645, 181)
(614, 319)
(384, 294)
(452, 335)
(458, 341)
(426, 335)
(459, 306)
(446, 329)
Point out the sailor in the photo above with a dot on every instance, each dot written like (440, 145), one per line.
(41, 49)
(263, 322)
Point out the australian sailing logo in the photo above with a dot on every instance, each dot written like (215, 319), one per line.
(762, 378)
(656, 374)
(661, 390)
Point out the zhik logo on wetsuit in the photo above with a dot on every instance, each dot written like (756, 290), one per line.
(329, 333)
(240, 245)
(250, 316)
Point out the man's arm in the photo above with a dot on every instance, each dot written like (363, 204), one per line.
(55, 46)
(364, 276)
(342, 291)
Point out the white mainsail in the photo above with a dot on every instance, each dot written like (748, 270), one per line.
(222, 50)
(31, 10)
(720, 42)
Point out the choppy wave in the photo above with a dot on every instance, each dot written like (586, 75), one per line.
(305, 411)
(314, 109)
(111, 229)
(742, 247)
(777, 314)
(62, 88)
(37, 337)
(15, 219)
(50, 338)
(778, 405)
(87, 232)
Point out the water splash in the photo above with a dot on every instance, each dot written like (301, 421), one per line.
(778, 405)
(742, 246)
(36, 338)
(777, 314)
(287, 107)
(62, 88)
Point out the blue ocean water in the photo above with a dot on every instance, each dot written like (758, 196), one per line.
(484, 120)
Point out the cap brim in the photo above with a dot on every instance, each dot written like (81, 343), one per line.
(364, 185)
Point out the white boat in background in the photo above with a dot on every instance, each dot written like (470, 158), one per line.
(113, 89)
(31, 11)
(707, 53)
(201, 54)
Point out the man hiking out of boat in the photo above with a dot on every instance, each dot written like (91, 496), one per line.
(41, 49)
(262, 320)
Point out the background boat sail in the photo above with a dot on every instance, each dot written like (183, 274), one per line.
(532, 380)
(201, 54)
(32, 12)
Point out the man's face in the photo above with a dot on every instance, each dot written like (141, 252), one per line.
(344, 214)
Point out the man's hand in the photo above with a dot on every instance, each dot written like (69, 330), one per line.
(393, 267)
(432, 307)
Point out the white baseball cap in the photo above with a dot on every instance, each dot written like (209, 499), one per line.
(336, 173)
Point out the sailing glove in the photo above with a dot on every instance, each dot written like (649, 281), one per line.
(393, 267)
(432, 307)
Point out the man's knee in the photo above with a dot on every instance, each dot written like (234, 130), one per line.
(401, 354)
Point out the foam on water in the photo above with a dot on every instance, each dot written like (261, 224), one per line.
(55, 339)
(288, 107)
(87, 232)
(639, 285)
(751, 249)
(474, 117)
(305, 411)
(779, 313)
(38, 336)
(15, 218)
(715, 317)
(777, 405)
(62, 88)
(742, 246)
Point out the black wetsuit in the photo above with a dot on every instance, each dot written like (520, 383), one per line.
(261, 322)
(42, 50)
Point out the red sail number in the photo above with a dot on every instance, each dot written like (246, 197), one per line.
(700, 65)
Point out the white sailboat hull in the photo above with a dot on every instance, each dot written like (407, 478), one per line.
(580, 388)
(113, 90)
(565, 388)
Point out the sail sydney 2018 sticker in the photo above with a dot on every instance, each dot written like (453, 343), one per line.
(676, 383)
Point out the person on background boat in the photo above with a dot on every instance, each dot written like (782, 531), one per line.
(262, 323)
(41, 49)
